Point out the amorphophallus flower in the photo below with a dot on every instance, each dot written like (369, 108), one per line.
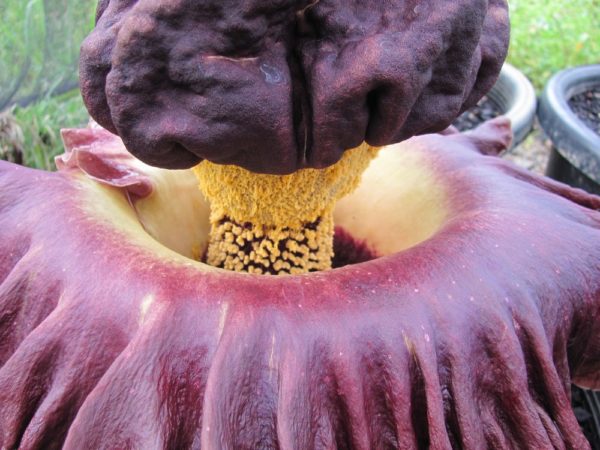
(476, 304)
(447, 300)
(306, 90)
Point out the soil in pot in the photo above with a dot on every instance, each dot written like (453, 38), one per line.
(486, 109)
(587, 107)
(569, 109)
(532, 153)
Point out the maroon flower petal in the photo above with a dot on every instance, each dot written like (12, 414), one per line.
(102, 157)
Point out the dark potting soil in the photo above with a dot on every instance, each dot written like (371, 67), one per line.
(587, 107)
(486, 109)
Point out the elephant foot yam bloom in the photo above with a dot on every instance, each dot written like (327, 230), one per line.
(465, 332)
(272, 224)
(297, 89)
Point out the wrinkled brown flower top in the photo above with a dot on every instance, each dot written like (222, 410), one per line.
(278, 85)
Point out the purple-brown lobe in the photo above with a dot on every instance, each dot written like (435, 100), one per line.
(278, 85)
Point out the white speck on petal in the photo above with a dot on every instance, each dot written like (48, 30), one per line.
(145, 306)
(222, 319)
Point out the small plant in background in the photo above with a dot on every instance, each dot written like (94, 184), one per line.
(41, 123)
(11, 138)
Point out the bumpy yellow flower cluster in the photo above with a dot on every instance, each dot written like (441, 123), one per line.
(271, 224)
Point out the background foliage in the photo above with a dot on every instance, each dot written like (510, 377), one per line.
(549, 35)
(39, 46)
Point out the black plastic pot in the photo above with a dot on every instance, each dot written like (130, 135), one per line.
(586, 406)
(575, 157)
(512, 96)
(515, 96)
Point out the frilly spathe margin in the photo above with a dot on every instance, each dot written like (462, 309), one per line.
(470, 338)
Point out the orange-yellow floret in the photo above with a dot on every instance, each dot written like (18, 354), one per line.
(277, 224)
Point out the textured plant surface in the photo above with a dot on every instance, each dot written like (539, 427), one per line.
(468, 338)
(279, 85)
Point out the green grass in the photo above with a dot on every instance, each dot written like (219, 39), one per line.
(21, 31)
(39, 44)
(41, 38)
(39, 50)
(41, 124)
(549, 35)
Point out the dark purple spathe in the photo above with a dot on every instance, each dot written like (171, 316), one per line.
(278, 85)
(467, 340)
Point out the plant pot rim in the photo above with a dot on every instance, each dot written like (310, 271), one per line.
(572, 138)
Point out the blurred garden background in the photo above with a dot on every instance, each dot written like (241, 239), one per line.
(39, 46)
